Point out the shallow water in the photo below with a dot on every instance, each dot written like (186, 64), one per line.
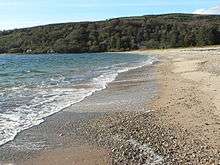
(35, 86)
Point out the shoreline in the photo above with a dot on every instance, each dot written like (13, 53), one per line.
(180, 124)
(108, 78)
(183, 126)
(185, 117)
(126, 51)
(50, 132)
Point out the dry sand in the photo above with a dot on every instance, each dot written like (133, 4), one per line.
(190, 90)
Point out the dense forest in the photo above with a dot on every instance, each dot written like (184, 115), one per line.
(120, 34)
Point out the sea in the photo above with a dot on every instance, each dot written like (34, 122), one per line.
(33, 87)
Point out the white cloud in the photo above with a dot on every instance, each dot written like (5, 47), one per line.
(212, 10)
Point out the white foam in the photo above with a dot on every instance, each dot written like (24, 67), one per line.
(25, 116)
(103, 80)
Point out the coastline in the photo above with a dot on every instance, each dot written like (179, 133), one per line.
(67, 96)
(49, 136)
(183, 124)
(180, 124)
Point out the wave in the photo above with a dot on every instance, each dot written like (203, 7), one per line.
(49, 101)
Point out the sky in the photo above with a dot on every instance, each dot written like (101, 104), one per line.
(27, 13)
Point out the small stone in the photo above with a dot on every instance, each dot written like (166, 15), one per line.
(61, 134)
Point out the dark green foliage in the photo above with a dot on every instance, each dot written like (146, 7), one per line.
(130, 33)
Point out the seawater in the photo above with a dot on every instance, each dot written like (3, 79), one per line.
(33, 87)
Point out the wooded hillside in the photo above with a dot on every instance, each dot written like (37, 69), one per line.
(120, 34)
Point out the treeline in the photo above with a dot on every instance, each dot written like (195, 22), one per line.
(130, 33)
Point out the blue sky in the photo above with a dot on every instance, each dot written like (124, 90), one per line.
(26, 13)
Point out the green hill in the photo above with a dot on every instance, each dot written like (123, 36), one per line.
(120, 34)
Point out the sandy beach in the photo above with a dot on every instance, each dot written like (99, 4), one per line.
(189, 99)
(168, 113)
(182, 126)
(189, 89)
